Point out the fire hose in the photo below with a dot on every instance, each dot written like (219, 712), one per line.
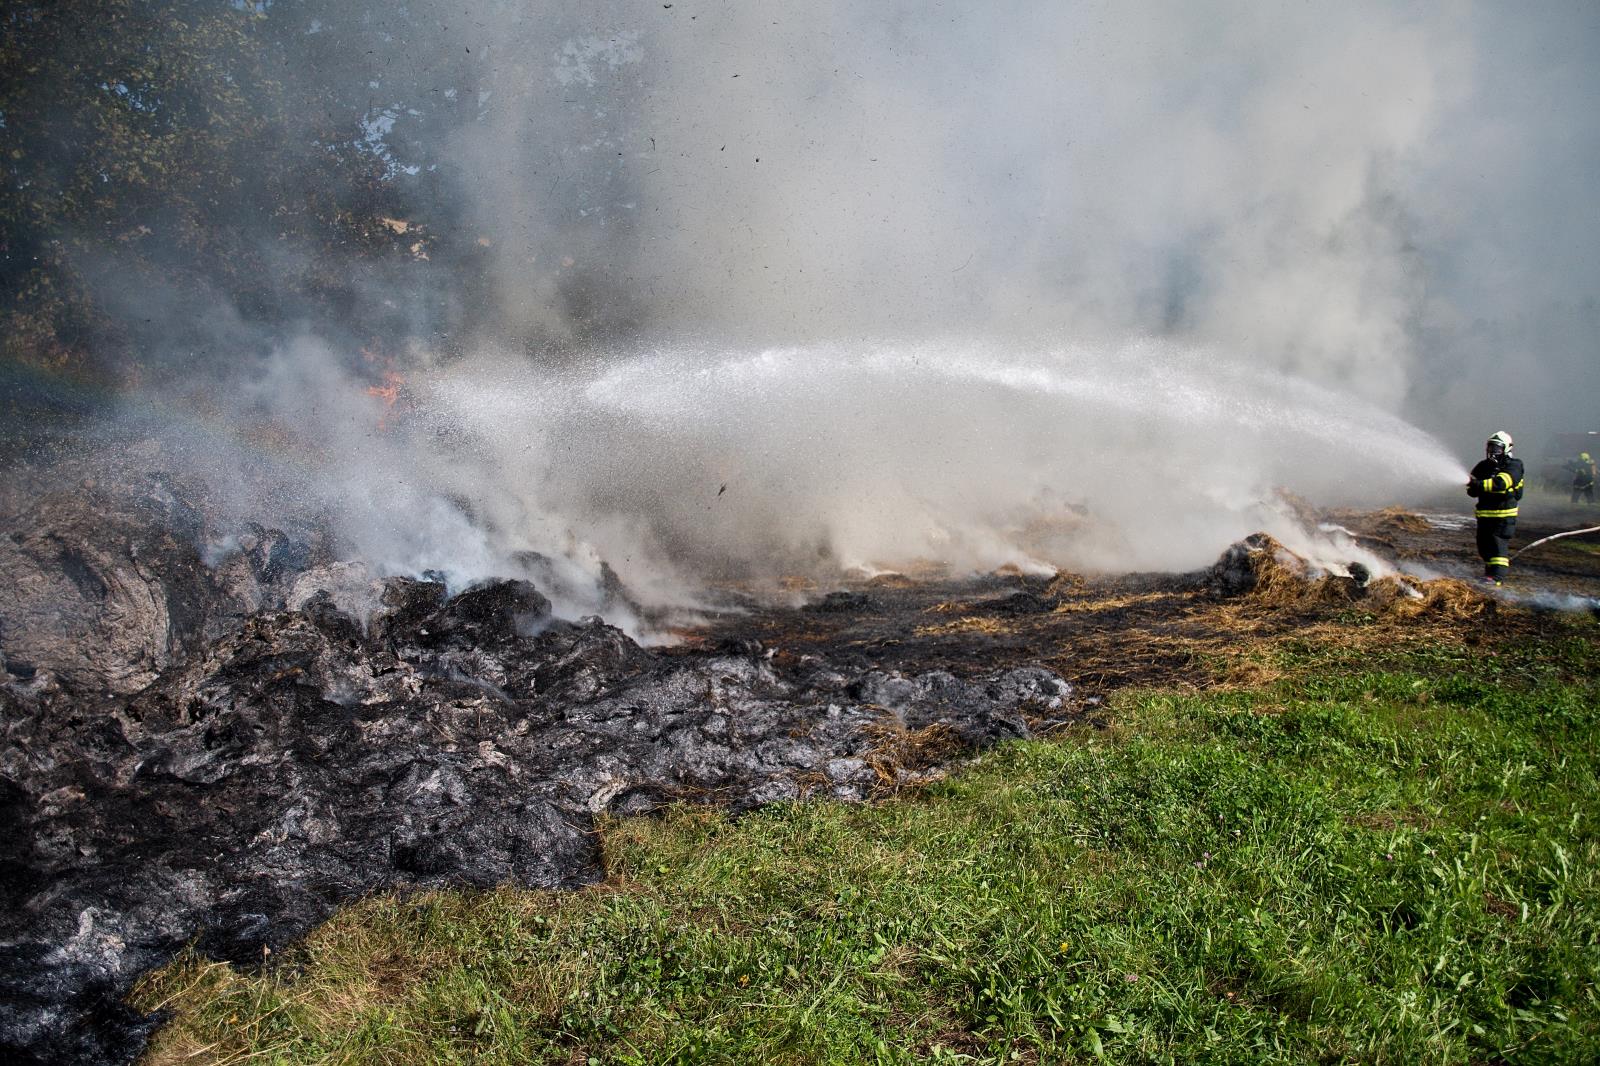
(1554, 536)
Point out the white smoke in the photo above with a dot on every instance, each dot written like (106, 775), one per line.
(1238, 176)
(779, 213)
(687, 466)
(975, 454)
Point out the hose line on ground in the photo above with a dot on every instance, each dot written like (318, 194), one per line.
(1554, 536)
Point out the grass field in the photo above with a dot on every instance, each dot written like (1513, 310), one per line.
(1372, 856)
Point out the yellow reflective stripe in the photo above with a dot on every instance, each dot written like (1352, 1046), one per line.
(1509, 512)
(1488, 484)
(1506, 478)
(1499, 560)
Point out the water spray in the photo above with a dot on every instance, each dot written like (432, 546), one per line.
(689, 465)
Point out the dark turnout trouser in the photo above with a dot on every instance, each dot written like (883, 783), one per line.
(1494, 544)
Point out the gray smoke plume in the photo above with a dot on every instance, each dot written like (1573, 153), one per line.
(1003, 265)
(1387, 200)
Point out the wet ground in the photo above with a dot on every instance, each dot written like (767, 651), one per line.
(1078, 627)
(1104, 632)
(1443, 544)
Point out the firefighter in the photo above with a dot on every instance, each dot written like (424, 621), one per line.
(1496, 483)
(1583, 479)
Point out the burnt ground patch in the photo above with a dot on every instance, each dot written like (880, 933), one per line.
(1196, 629)
(1442, 543)
(290, 757)
(306, 760)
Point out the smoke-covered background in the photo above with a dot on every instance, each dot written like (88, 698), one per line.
(710, 285)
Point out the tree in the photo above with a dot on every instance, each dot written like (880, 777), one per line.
(159, 159)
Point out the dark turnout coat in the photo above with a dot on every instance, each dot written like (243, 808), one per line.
(1497, 486)
(1496, 483)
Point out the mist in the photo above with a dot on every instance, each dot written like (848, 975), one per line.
(1389, 201)
(689, 467)
(761, 288)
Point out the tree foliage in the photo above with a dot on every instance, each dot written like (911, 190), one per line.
(169, 165)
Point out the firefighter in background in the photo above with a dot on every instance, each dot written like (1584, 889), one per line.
(1583, 478)
(1496, 483)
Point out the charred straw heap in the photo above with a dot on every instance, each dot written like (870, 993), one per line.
(221, 754)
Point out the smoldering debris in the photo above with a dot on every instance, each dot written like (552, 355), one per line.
(111, 582)
(239, 732)
(303, 757)
(1262, 572)
(840, 601)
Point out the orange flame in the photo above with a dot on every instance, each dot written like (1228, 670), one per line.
(389, 391)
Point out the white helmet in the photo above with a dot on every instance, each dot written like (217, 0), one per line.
(1498, 443)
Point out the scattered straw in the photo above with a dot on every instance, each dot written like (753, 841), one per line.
(1399, 520)
(897, 749)
(965, 625)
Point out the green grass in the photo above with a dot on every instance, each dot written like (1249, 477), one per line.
(1391, 858)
